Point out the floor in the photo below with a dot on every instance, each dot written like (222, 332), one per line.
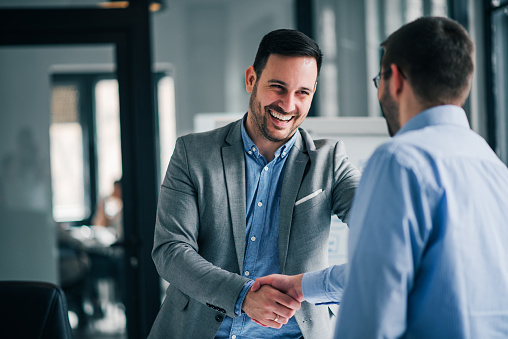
(103, 319)
(110, 326)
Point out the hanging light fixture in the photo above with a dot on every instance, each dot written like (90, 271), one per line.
(154, 5)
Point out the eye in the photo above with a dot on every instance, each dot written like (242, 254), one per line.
(304, 93)
(277, 87)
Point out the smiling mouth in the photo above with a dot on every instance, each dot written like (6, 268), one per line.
(279, 116)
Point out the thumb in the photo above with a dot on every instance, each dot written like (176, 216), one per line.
(266, 280)
(256, 286)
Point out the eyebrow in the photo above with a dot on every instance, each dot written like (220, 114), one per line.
(280, 82)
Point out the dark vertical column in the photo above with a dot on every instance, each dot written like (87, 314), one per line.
(458, 11)
(427, 6)
(139, 159)
(304, 17)
(489, 75)
(87, 120)
(305, 24)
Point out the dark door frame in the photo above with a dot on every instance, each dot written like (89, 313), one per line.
(129, 31)
(489, 10)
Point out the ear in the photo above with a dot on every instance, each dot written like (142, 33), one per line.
(250, 79)
(397, 81)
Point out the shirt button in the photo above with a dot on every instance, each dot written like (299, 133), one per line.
(260, 204)
(266, 168)
(233, 336)
(250, 152)
(247, 273)
(253, 149)
(283, 153)
(253, 238)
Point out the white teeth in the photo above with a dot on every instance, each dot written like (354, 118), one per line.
(280, 116)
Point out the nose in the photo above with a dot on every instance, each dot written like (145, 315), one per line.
(288, 102)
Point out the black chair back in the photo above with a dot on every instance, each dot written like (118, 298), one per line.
(33, 310)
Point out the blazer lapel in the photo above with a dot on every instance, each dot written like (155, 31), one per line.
(233, 162)
(293, 176)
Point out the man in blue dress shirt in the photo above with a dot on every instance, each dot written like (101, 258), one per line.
(251, 199)
(428, 247)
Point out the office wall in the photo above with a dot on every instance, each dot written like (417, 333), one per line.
(209, 45)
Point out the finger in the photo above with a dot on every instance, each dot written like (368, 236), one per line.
(273, 324)
(282, 320)
(284, 312)
(280, 303)
(259, 323)
(260, 282)
(287, 301)
(270, 323)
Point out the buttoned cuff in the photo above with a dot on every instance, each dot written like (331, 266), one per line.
(241, 296)
(324, 287)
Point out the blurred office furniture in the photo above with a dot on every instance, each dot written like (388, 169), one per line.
(74, 272)
(33, 310)
(109, 211)
(91, 266)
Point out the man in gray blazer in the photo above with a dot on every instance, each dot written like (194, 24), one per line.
(250, 199)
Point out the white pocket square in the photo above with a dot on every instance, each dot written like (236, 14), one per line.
(308, 197)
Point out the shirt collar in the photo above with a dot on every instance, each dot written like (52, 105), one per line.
(250, 147)
(438, 115)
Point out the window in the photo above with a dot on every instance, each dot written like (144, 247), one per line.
(349, 33)
(85, 139)
(107, 127)
(67, 158)
(166, 113)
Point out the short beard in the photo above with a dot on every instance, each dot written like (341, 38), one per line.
(256, 109)
(390, 111)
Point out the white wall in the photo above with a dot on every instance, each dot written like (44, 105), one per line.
(210, 44)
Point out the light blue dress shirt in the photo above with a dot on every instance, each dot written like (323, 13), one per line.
(264, 186)
(428, 247)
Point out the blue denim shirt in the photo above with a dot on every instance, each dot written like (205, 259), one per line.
(264, 186)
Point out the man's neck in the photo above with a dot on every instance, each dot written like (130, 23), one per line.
(409, 106)
(267, 148)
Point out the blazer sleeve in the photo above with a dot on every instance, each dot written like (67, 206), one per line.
(346, 180)
(176, 251)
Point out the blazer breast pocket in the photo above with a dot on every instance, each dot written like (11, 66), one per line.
(309, 201)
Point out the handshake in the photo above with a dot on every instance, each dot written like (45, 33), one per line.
(274, 299)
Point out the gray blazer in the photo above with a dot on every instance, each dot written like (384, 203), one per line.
(200, 230)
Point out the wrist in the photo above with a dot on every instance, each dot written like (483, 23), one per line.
(298, 287)
(242, 296)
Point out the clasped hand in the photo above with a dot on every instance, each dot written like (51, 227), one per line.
(273, 300)
(269, 307)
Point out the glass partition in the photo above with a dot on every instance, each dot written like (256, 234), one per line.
(47, 178)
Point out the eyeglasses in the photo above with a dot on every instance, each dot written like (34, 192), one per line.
(377, 78)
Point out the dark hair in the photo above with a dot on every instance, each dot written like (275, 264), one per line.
(286, 42)
(436, 55)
